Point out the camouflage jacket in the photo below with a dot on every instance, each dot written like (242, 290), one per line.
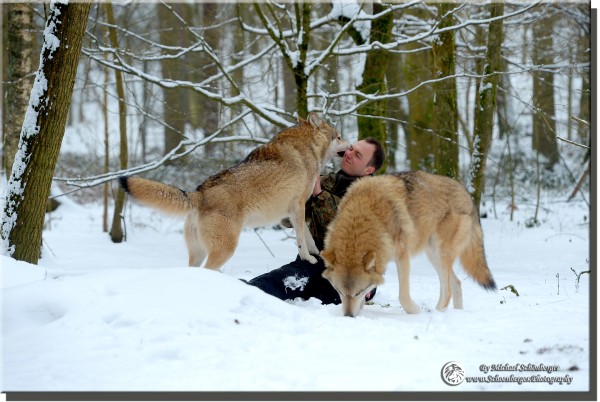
(321, 209)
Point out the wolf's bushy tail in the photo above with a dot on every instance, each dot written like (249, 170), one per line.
(161, 196)
(473, 258)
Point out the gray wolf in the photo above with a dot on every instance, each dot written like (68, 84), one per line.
(393, 217)
(272, 183)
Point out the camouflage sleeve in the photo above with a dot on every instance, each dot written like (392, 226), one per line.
(320, 211)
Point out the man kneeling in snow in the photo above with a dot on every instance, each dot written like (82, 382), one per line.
(300, 278)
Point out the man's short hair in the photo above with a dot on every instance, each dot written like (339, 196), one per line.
(378, 156)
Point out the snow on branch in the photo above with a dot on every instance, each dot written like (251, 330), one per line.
(433, 31)
(189, 145)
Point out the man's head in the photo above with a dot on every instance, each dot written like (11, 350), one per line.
(363, 158)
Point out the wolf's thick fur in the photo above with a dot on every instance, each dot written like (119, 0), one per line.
(394, 217)
(273, 182)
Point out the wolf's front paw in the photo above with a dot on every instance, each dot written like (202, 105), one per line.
(314, 250)
(309, 258)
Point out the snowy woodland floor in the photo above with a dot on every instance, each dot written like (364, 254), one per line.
(98, 316)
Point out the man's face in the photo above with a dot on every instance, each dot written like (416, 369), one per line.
(356, 159)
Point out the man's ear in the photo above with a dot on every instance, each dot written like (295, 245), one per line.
(329, 258)
(369, 170)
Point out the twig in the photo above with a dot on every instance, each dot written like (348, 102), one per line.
(577, 119)
(511, 288)
(263, 242)
(579, 276)
(580, 182)
(572, 143)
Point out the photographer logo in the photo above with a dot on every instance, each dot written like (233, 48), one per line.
(453, 373)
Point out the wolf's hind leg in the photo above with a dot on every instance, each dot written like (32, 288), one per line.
(221, 239)
(196, 250)
(450, 286)
(456, 289)
(433, 254)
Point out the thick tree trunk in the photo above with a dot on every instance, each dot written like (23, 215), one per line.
(394, 110)
(544, 125)
(43, 131)
(445, 106)
(174, 100)
(419, 139)
(207, 111)
(373, 80)
(486, 105)
(303, 25)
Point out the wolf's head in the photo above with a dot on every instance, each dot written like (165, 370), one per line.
(353, 275)
(337, 144)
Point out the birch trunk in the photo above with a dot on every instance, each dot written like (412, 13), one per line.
(20, 43)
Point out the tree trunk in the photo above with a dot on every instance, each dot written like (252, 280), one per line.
(544, 125)
(394, 111)
(20, 41)
(298, 46)
(116, 230)
(207, 109)
(174, 100)
(373, 80)
(445, 107)
(43, 131)
(106, 153)
(419, 139)
(583, 130)
(300, 77)
(486, 105)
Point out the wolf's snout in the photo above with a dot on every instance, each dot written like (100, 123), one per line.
(342, 147)
(350, 307)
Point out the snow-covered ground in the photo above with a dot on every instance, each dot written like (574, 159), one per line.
(98, 316)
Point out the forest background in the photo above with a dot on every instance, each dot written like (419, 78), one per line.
(496, 95)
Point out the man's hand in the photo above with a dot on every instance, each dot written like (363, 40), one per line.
(317, 189)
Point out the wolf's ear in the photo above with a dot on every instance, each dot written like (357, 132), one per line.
(329, 258)
(369, 261)
(314, 119)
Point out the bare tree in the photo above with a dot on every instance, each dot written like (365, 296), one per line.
(544, 124)
(116, 230)
(486, 105)
(445, 114)
(42, 132)
(417, 69)
(373, 82)
(19, 66)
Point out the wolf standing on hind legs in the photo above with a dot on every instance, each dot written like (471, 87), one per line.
(394, 217)
(298, 278)
(272, 183)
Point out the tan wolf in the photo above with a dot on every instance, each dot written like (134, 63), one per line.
(395, 217)
(272, 182)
